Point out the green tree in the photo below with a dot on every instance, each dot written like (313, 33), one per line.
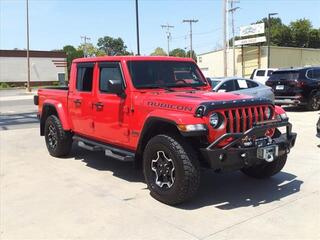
(300, 31)
(314, 38)
(178, 52)
(194, 55)
(113, 46)
(158, 52)
(90, 50)
(71, 53)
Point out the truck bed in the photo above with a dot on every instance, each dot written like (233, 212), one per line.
(51, 95)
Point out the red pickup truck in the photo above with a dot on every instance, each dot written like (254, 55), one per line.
(160, 113)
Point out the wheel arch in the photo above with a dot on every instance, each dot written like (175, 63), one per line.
(154, 126)
(49, 109)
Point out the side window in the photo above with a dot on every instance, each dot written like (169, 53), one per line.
(260, 73)
(251, 84)
(241, 84)
(314, 74)
(84, 78)
(228, 86)
(269, 73)
(109, 71)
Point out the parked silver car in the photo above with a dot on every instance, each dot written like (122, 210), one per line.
(241, 85)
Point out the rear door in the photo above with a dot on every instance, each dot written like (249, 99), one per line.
(80, 99)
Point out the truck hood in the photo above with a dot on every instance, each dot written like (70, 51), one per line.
(186, 101)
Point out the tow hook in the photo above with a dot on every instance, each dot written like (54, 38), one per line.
(269, 157)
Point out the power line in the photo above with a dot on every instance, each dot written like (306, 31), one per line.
(190, 21)
(232, 10)
(168, 27)
(85, 39)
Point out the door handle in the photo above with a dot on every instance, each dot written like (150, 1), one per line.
(98, 105)
(77, 101)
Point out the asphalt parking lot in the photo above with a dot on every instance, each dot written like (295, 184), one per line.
(88, 196)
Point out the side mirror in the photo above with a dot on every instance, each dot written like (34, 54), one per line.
(115, 86)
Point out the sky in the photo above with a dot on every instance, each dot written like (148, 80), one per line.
(56, 23)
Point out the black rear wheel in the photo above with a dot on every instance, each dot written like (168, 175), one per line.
(58, 141)
(171, 169)
(314, 102)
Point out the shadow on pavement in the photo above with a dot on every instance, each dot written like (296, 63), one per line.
(233, 190)
(8, 120)
(97, 160)
(224, 191)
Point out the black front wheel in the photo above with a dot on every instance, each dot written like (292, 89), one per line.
(171, 169)
(58, 141)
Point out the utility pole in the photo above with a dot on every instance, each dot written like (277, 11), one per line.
(190, 21)
(167, 27)
(232, 10)
(85, 39)
(269, 37)
(28, 55)
(225, 63)
(137, 28)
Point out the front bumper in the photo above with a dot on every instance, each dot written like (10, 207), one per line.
(235, 156)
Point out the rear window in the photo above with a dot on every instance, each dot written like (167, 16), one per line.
(84, 78)
(260, 73)
(284, 75)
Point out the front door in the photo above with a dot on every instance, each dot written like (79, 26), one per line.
(80, 100)
(110, 110)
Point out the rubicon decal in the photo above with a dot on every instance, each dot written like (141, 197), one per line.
(170, 106)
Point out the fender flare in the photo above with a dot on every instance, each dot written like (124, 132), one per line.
(171, 118)
(61, 112)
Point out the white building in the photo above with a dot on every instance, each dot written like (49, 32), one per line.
(46, 67)
(249, 58)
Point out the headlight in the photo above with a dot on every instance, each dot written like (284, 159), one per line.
(215, 120)
(268, 112)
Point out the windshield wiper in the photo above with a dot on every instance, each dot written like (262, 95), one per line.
(159, 87)
(188, 85)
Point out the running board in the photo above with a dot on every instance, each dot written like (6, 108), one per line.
(109, 151)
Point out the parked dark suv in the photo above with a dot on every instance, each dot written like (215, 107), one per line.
(298, 86)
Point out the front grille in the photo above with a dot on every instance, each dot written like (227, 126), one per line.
(241, 119)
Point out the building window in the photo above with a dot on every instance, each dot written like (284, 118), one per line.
(200, 59)
(62, 78)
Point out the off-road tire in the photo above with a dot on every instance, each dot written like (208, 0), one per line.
(187, 170)
(63, 138)
(313, 102)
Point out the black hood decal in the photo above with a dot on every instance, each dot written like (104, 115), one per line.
(209, 106)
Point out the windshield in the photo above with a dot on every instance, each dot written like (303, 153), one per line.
(284, 75)
(157, 74)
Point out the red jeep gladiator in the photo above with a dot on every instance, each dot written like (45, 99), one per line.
(160, 112)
